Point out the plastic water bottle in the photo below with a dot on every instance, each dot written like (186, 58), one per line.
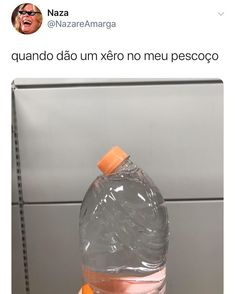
(124, 230)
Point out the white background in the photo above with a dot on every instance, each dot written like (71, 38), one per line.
(142, 26)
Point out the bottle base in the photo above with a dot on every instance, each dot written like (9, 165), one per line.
(103, 283)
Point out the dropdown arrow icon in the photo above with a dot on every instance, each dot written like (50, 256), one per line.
(221, 13)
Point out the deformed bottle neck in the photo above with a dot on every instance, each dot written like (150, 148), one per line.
(126, 166)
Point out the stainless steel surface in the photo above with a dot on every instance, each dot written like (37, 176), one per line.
(195, 262)
(173, 131)
(15, 197)
(18, 279)
(53, 250)
(28, 82)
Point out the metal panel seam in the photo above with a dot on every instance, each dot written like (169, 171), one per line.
(20, 191)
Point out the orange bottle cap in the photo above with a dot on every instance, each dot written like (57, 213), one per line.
(86, 289)
(111, 160)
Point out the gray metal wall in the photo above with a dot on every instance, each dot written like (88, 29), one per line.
(172, 129)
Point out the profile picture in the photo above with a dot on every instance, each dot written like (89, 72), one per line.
(26, 18)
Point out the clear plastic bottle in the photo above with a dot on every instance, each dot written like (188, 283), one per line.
(124, 230)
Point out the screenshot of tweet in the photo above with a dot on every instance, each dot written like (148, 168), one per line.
(117, 147)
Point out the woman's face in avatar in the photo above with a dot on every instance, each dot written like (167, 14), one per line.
(28, 21)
